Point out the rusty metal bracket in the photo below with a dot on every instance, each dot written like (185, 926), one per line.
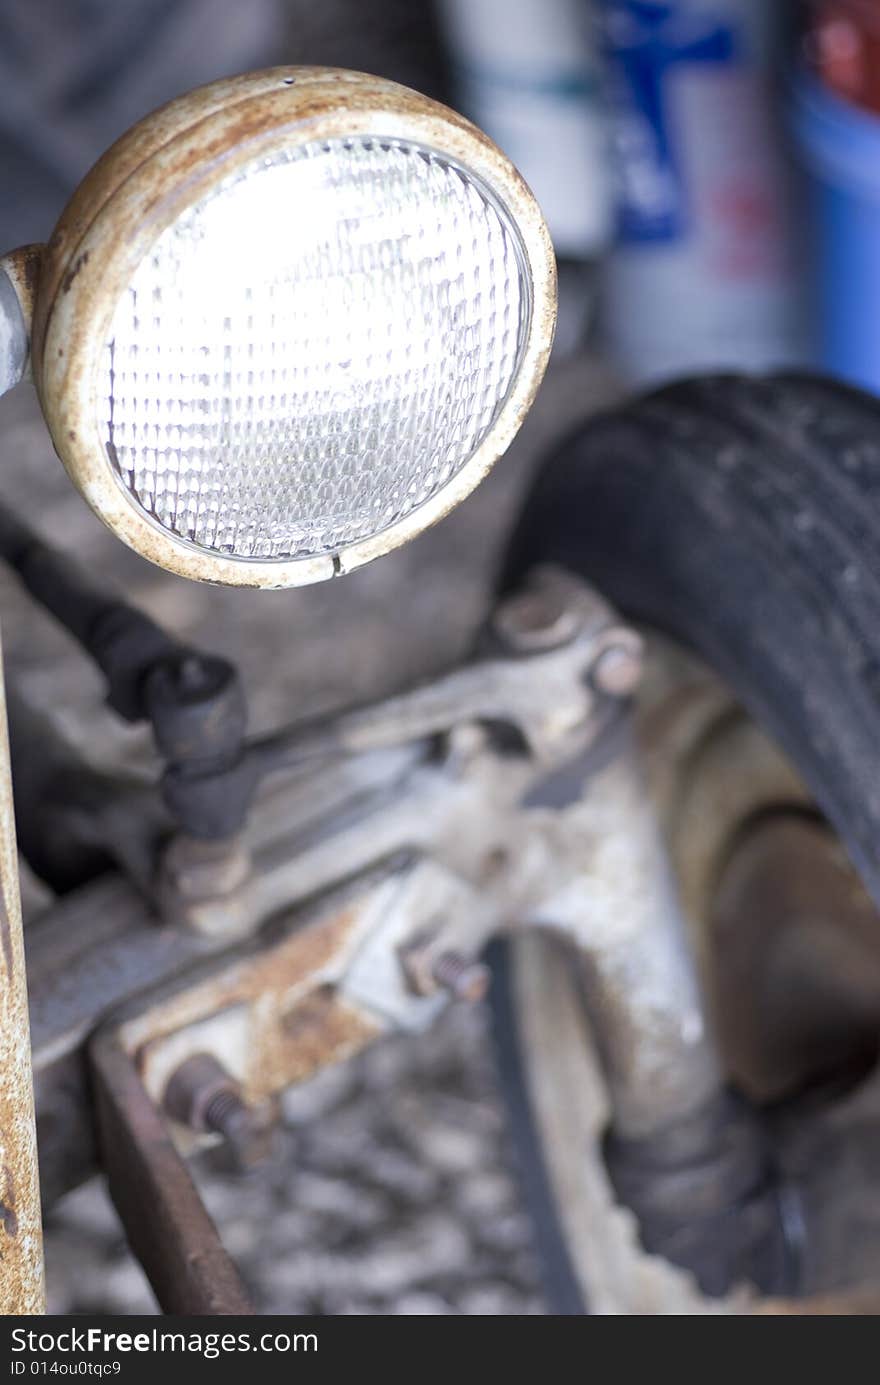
(268, 1013)
(451, 806)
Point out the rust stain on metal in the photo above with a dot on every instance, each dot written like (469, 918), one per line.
(709, 769)
(273, 971)
(24, 268)
(795, 974)
(296, 1022)
(21, 1258)
(32, 258)
(78, 265)
(319, 1030)
(165, 1219)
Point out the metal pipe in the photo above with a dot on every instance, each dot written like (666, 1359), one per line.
(21, 1242)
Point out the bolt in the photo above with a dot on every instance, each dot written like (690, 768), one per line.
(618, 669)
(462, 977)
(227, 1114)
(202, 1095)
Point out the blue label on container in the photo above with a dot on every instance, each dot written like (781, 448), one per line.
(645, 43)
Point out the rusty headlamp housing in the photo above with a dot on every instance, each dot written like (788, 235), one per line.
(286, 323)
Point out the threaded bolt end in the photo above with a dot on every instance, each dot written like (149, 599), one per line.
(462, 977)
(225, 1110)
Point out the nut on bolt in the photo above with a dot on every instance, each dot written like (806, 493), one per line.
(203, 1096)
(428, 971)
(203, 885)
(204, 869)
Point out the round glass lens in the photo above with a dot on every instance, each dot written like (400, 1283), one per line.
(314, 350)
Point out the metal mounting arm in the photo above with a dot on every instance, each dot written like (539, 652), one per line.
(19, 273)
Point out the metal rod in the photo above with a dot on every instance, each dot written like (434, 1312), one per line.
(21, 1240)
(164, 1217)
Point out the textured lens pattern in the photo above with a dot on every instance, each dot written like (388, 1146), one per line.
(315, 350)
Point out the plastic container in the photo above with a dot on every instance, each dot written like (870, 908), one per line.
(706, 272)
(526, 72)
(840, 147)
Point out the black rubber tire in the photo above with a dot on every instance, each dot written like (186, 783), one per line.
(560, 1281)
(741, 516)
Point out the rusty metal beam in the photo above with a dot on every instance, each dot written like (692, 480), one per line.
(165, 1220)
(21, 1241)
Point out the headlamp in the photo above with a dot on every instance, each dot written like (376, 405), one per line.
(287, 322)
